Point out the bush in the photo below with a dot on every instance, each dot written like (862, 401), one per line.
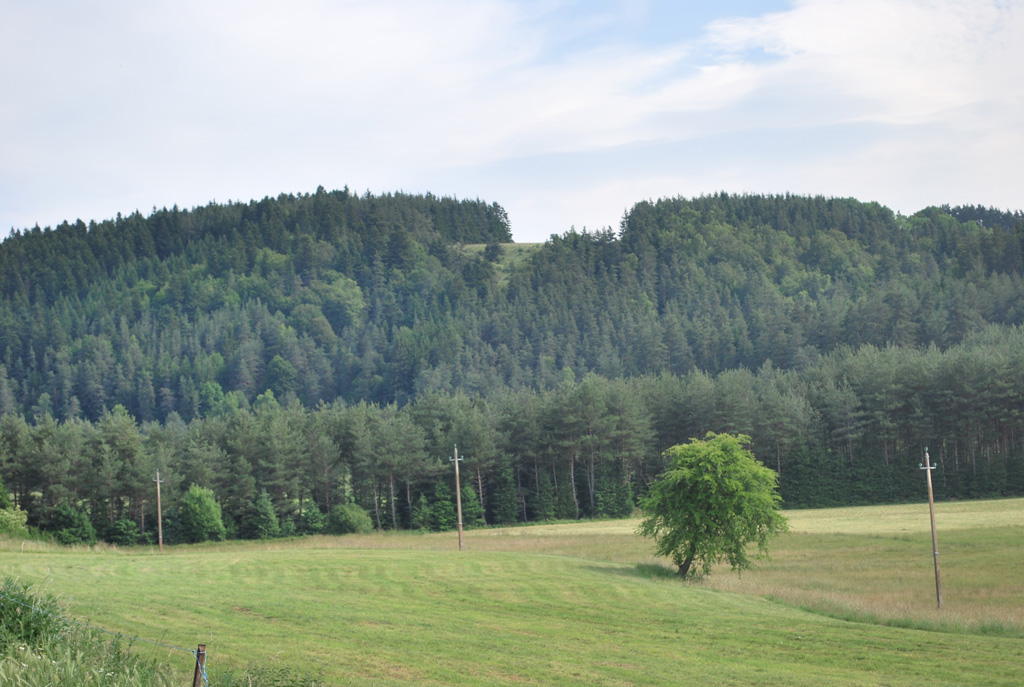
(71, 526)
(421, 514)
(81, 658)
(27, 619)
(12, 521)
(173, 533)
(39, 647)
(349, 518)
(312, 521)
(288, 529)
(5, 497)
(123, 532)
(260, 521)
(199, 516)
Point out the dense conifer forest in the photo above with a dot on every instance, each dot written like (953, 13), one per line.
(303, 356)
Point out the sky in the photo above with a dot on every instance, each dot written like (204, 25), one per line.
(565, 112)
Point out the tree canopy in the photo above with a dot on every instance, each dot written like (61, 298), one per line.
(714, 500)
(328, 349)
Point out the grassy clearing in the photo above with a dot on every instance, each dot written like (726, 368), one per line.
(512, 256)
(577, 604)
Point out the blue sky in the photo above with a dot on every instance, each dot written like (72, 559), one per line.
(567, 113)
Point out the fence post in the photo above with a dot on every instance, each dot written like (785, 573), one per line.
(198, 680)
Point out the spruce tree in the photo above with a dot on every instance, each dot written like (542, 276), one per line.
(472, 513)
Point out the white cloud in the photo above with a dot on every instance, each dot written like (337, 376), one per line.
(900, 61)
(541, 106)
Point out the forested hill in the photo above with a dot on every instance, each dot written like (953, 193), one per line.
(145, 311)
(233, 346)
(43, 265)
(333, 295)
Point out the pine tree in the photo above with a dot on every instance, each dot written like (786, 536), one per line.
(261, 521)
(504, 499)
(442, 509)
(472, 512)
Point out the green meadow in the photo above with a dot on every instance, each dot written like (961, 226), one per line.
(513, 255)
(848, 598)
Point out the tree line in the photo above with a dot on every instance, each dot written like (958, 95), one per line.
(849, 429)
(314, 349)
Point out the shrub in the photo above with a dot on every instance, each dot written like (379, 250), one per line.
(288, 529)
(5, 497)
(25, 618)
(173, 533)
(260, 521)
(199, 516)
(421, 514)
(123, 532)
(39, 647)
(349, 518)
(82, 657)
(12, 521)
(71, 526)
(313, 521)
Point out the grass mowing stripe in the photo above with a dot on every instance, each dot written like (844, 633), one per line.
(422, 617)
(581, 603)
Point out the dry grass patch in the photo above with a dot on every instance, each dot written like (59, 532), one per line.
(875, 564)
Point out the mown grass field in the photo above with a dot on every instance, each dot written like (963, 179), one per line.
(847, 599)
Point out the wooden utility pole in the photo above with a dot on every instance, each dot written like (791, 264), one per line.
(928, 467)
(159, 513)
(199, 679)
(458, 492)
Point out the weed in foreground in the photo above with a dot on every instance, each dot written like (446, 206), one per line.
(27, 618)
(40, 647)
(81, 658)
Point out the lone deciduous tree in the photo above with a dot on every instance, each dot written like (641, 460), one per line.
(200, 516)
(713, 501)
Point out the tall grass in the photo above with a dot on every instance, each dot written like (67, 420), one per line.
(40, 647)
(875, 564)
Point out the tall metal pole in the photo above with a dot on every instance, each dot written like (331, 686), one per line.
(159, 513)
(928, 467)
(458, 492)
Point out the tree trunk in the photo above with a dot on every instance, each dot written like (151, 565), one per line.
(572, 484)
(408, 499)
(376, 505)
(520, 495)
(684, 567)
(391, 497)
(480, 495)
(592, 482)
(327, 489)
